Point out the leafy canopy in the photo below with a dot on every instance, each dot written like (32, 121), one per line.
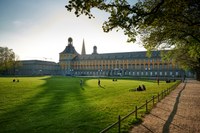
(7, 60)
(172, 24)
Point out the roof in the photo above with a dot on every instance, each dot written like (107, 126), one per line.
(69, 50)
(125, 55)
(37, 62)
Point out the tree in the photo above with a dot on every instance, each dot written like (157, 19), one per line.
(176, 26)
(7, 61)
(162, 24)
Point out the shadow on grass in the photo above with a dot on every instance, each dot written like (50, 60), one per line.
(59, 107)
(101, 86)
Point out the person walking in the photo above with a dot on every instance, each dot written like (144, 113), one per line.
(99, 83)
(158, 80)
(81, 82)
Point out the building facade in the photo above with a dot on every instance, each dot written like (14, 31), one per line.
(135, 64)
(37, 67)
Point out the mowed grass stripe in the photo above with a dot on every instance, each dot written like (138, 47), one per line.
(59, 104)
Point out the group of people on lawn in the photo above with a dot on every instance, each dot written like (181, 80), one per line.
(139, 88)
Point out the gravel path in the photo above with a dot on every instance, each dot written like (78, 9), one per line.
(179, 112)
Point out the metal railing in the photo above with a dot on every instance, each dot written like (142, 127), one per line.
(159, 96)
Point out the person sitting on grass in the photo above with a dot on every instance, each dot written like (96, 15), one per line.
(139, 88)
(143, 88)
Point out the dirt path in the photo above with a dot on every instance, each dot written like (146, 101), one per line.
(179, 112)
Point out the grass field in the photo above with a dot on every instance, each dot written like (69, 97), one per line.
(59, 104)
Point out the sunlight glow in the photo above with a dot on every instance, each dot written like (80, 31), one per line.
(44, 37)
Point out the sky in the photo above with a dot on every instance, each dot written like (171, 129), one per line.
(39, 29)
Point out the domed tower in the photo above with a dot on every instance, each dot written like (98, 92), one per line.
(94, 50)
(66, 57)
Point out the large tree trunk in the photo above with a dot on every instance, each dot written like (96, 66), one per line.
(197, 70)
(198, 74)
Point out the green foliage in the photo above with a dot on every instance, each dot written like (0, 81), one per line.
(7, 60)
(175, 25)
(161, 24)
(60, 104)
(121, 14)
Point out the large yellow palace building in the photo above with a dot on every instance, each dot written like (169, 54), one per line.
(116, 64)
(134, 64)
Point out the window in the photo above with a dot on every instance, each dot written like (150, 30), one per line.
(129, 66)
(106, 66)
(151, 66)
(142, 73)
(155, 66)
(133, 66)
(146, 73)
(170, 73)
(138, 73)
(156, 73)
(146, 67)
(142, 66)
(176, 73)
(160, 73)
(133, 73)
(165, 66)
(165, 73)
(170, 66)
(160, 67)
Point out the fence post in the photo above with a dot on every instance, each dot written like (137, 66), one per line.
(119, 123)
(146, 106)
(136, 112)
(153, 100)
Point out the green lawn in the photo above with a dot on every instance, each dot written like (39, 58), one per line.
(59, 104)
